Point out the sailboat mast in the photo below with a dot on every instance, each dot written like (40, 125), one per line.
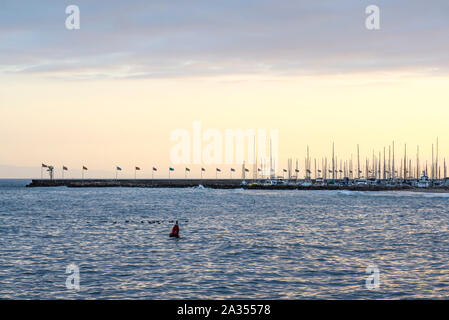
(394, 173)
(333, 163)
(358, 162)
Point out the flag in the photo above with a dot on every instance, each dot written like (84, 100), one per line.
(44, 166)
(319, 170)
(308, 171)
(218, 170)
(258, 169)
(84, 168)
(119, 169)
(65, 168)
(232, 170)
(137, 168)
(187, 169)
(202, 169)
(171, 169)
(154, 169)
(246, 170)
(284, 170)
(296, 170)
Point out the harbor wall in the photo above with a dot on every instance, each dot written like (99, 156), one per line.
(144, 183)
(214, 183)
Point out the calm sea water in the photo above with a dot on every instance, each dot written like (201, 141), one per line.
(234, 243)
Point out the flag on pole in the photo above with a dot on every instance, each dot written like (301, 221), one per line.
(154, 169)
(119, 169)
(137, 168)
(171, 169)
(232, 170)
(44, 166)
(218, 170)
(187, 169)
(284, 170)
(64, 168)
(82, 171)
(202, 170)
(296, 170)
(258, 169)
(246, 170)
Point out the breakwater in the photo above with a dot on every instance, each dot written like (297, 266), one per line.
(218, 184)
(142, 183)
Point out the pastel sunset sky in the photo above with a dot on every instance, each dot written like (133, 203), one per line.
(112, 92)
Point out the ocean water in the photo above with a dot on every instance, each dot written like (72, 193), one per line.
(234, 243)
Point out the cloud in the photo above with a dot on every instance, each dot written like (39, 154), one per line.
(139, 39)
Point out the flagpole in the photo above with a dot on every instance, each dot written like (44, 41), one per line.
(135, 170)
(62, 172)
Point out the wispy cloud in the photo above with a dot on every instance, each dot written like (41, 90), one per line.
(139, 39)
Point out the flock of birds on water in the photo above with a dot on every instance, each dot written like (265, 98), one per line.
(151, 221)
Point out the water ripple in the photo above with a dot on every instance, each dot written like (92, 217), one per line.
(234, 243)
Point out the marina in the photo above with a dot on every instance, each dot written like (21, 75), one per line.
(383, 171)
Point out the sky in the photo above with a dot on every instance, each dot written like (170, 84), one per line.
(113, 92)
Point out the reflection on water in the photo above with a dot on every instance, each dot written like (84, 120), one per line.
(234, 243)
